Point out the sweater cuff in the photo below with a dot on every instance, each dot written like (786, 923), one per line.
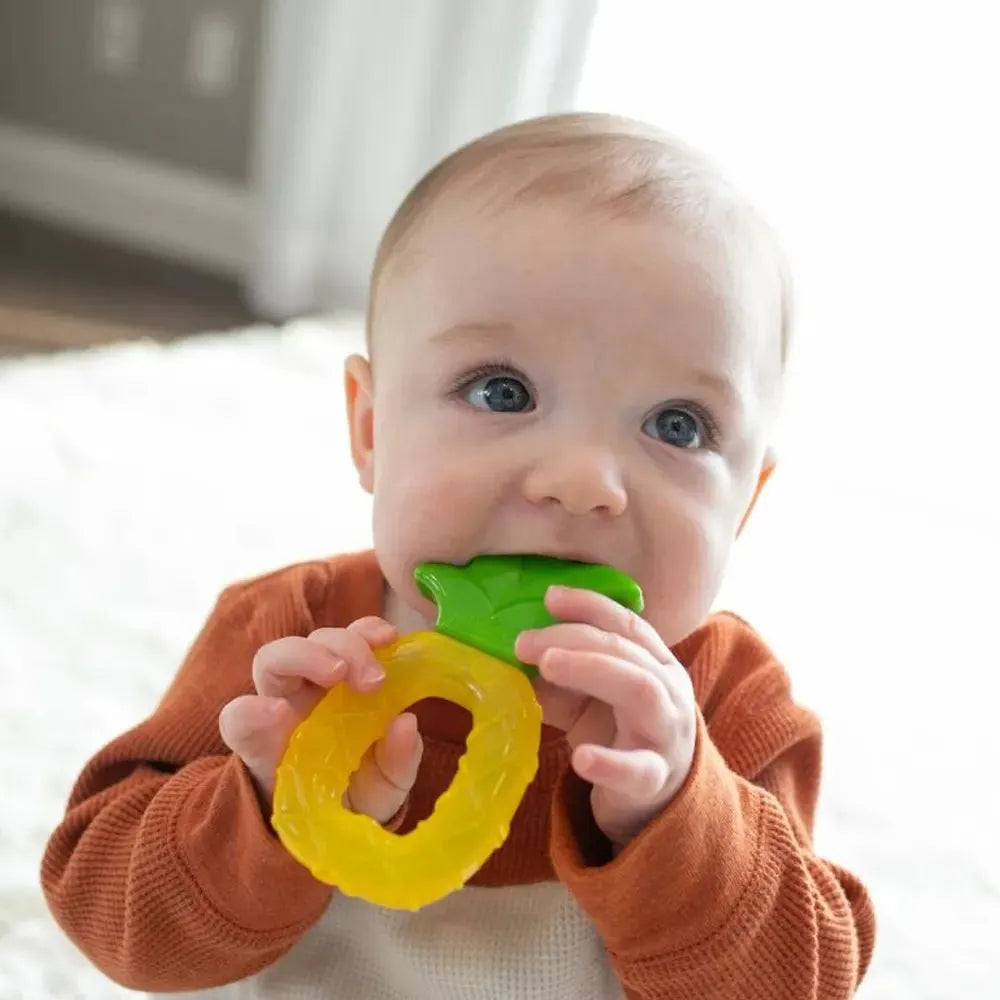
(234, 857)
(675, 884)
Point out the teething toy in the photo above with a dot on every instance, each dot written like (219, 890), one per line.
(467, 659)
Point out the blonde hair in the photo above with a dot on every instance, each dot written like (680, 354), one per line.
(614, 164)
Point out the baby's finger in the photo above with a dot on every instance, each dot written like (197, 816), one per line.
(637, 775)
(364, 672)
(397, 755)
(387, 771)
(573, 604)
(636, 694)
(257, 730)
(280, 667)
(532, 644)
(374, 630)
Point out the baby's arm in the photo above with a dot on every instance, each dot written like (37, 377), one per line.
(165, 871)
(722, 895)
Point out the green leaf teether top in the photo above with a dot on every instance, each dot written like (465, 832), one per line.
(488, 602)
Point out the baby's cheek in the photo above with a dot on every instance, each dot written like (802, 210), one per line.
(687, 575)
(427, 513)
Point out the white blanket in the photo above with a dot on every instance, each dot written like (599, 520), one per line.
(137, 480)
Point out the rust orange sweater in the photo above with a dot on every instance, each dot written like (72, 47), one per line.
(167, 876)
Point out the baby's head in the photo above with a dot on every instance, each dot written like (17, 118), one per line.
(577, 335)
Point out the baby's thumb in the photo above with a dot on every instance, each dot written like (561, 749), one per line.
(257, 730)
(398, 753)
(388, 770)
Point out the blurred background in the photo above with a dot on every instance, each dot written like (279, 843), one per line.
(190, 196)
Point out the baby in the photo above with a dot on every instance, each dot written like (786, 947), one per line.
(577, 339)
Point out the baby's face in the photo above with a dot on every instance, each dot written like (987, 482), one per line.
(552, 381)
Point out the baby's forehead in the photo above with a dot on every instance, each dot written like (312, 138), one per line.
(488, 218)
(602, 171)
(466, 240)
(539, 279)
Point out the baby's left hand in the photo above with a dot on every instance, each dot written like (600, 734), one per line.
(625, 703)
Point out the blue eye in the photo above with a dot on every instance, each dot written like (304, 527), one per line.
(677, 427)
(500, 394)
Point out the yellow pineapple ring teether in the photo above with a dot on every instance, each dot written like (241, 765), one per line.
(483, 607)
(470, 820)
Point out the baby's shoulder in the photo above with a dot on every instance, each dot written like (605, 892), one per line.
(724, 637)
(724, 653)
(326, 591)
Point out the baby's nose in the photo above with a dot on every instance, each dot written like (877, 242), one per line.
(583, 479)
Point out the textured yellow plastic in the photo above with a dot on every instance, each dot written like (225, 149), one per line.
(471, 818)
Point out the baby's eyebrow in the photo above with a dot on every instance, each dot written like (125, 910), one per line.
(478, 331)
(722, 385)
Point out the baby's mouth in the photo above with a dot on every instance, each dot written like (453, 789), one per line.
(547, 552)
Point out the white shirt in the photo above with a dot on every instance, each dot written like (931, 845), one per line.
(530, 941)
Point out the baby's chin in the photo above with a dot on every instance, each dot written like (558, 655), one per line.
(406, 608)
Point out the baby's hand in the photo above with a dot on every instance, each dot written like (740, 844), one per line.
(625, 703)
(291, 675)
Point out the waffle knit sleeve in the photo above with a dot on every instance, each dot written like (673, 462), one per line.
(164, 871)
(722, 895)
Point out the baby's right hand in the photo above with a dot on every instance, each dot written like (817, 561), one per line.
(291, 675)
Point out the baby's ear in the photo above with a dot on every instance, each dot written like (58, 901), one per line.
(359, 395)
(767, 465)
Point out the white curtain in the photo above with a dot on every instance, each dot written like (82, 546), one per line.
(360, 97)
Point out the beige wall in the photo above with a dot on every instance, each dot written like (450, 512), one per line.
(48, 80)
